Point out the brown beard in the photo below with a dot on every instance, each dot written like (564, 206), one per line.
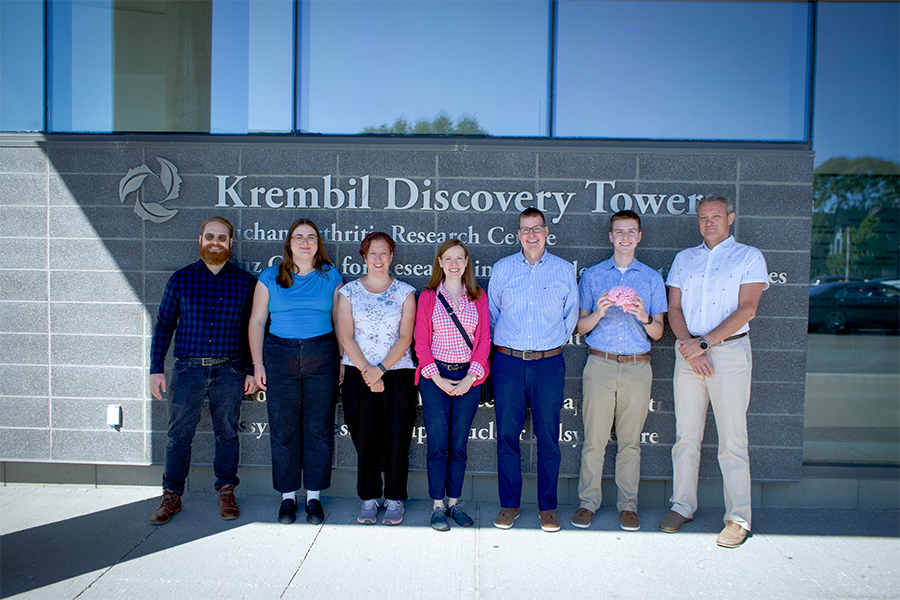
(214, 259)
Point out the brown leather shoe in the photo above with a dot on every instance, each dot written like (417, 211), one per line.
(732, 536)
(672, 522)
(169, 506)
(228, 508)
(506, 518)
(582, 518)
(628, 521)
(549, 522)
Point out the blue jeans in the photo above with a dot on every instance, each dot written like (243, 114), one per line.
(540, 384)
(192, 384)
(301, 391)
(448, 420)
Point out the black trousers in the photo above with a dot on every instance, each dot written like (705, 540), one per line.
(381, 428)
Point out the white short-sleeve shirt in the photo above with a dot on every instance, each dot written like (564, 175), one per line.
(710, 282)
(376, 321)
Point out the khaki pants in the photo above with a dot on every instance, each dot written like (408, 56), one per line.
(620, 392)
(728, 390)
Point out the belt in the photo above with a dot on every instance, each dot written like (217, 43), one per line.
(528, 355)
(622, 358)
(734, 337)
(452, 366)
(205, 361)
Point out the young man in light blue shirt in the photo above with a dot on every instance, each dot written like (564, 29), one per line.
(617, 376)
(533, 300)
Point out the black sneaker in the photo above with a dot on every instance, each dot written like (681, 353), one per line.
(287, 514)
(314, 513)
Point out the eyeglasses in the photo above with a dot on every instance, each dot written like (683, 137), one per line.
(309, 239)
(221, 238)
(535, 229)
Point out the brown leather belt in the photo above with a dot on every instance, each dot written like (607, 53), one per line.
(734, 337)
(527, 355)
(622, 358)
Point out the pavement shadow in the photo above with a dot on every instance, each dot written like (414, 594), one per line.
(47, 554)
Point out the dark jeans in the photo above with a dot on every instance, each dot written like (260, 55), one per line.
(223, 386)
(381, 428)
(448, 420)
(540, 384)
(301, 390)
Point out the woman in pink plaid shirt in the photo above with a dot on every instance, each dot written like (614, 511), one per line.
(452, 367)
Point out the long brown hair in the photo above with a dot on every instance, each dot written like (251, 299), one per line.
(285, 276)
(468, 278)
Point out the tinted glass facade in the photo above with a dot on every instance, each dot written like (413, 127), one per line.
(576, 95)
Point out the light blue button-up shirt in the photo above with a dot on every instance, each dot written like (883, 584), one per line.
(619, 332)
(533, 307)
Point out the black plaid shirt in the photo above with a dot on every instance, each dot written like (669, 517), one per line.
(207, 313)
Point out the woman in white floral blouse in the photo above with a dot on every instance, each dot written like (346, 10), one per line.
(376, 319)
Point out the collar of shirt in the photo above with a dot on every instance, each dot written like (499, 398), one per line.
(463, 297)
(726, 243)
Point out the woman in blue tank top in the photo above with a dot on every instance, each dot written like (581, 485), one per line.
(298, 366)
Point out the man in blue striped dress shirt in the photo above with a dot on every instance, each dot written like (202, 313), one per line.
(533, 300)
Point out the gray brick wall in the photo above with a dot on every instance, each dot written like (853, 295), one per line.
(81, 274)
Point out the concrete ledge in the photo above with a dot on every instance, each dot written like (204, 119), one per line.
(847, 487)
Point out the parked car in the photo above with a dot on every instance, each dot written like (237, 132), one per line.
(833, 279)
(842, 307)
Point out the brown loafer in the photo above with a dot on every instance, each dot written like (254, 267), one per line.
(506, 518)
(732, 536)
(549, 522)
(582, 518)
(169, 506)
(228, 508)
(672, 522)
(628, 521)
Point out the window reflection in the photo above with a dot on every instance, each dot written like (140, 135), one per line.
(446, 66)
(693, 70)
(852, 408)
(142, 65)
(21, 65)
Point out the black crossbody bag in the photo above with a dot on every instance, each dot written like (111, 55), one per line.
(487, 387)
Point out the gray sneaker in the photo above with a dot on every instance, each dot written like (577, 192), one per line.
(393, 512)
(368, 512)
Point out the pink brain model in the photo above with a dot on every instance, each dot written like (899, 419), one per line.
(621, 295)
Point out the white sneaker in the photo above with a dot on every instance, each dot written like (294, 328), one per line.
(393, 512)
(368, 513)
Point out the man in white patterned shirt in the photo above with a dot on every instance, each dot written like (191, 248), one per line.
(714, 290)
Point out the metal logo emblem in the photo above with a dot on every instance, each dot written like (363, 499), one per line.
(152, 211)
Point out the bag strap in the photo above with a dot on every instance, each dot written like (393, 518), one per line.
(455, 319)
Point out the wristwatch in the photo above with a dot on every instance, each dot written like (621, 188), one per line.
(649, 319)
(704, 345)
(474, 379)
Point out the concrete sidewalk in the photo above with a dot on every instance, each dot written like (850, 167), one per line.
(61, 543)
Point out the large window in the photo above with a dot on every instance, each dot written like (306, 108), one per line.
(21, 65)
(445, 66)
(852, 408)
(145, 65)
(713, 70)
(736, 70)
